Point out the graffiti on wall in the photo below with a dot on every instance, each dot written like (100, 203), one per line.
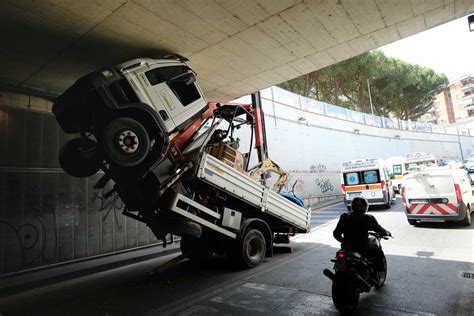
(324, 185)
(109, 204)
(318, 168)
(295, 184)
(31, 238)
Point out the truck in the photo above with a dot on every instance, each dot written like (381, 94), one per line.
(400, 166)
(175, 160)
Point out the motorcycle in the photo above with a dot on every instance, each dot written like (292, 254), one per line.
(355, 274)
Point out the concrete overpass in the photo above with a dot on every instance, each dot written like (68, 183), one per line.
(236, 47)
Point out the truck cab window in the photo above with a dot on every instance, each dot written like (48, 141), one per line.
(186, 93)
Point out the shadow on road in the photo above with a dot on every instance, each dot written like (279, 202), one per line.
(447, 225)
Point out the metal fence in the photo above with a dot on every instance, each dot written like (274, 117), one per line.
(291, 99)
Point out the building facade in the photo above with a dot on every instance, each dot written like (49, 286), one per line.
(455, 104)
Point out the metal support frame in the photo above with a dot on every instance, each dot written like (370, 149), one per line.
(181, 198)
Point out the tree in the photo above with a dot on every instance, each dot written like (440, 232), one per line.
(398, 88)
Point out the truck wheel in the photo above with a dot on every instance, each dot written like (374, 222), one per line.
(198, 250)
(251, 249)
(126, 142)
(175, 226)
(411, 221)
(78, 159)
(467, 219)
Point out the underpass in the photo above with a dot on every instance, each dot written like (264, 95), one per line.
(426, 261)
(66, 248)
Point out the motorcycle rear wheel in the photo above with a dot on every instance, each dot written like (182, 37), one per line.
(382, 274)
(345, 295)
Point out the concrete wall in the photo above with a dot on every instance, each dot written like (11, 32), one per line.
(48, 217)
(312, 146)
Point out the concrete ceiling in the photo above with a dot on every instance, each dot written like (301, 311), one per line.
(235, 46)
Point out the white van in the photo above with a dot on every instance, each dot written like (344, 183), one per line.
(400, 166)
(438, 195)
(368, 178)
(396, 169)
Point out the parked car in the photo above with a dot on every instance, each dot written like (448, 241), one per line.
(469, 165)
(438, 195)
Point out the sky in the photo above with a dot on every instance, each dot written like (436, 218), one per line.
(448, 49)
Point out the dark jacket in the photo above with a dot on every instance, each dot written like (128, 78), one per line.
(352, 230)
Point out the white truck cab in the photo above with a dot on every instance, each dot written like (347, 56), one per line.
(168, 86)
(438, 195)
(368, 178)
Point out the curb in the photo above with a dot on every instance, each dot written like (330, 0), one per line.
(324, 204)
(26, 281)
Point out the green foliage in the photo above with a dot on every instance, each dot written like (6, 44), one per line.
(398, 88)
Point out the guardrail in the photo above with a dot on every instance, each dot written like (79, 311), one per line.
(285, 97)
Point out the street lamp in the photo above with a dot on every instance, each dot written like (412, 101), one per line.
(370, 97)
(470, 21)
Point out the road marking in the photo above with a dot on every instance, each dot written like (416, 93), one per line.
(466, 275)
(251, 297)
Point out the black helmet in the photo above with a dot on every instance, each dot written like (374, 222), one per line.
(359, 205)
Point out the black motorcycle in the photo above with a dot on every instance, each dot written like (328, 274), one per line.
(355, 274)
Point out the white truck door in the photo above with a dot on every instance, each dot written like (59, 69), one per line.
(181, 99)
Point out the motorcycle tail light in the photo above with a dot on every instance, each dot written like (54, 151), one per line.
(341, 255)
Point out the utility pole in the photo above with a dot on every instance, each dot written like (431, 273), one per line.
(370, 97)
(460, 145)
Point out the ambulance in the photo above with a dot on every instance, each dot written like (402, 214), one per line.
(400, 166)
(368, 178)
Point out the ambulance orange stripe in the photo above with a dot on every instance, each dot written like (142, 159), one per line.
(363, 187)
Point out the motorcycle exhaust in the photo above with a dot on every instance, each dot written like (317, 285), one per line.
(329, 274)
(364, 282)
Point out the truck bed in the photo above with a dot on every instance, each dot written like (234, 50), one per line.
(218, 174)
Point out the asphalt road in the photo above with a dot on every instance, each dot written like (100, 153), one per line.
(425, 268)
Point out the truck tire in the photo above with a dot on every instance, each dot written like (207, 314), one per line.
(79, 163)
(467, 221)
(126, 142)
(176, 226)
(250, 249)
(411, 221)
(198, 250)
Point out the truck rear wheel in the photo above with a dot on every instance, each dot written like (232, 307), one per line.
(126, 142)
(80, 158)
(250, 249)
(198, 250)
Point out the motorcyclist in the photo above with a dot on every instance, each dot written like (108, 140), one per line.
(352, 231)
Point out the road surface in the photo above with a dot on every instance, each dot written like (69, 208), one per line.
(426, 264)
